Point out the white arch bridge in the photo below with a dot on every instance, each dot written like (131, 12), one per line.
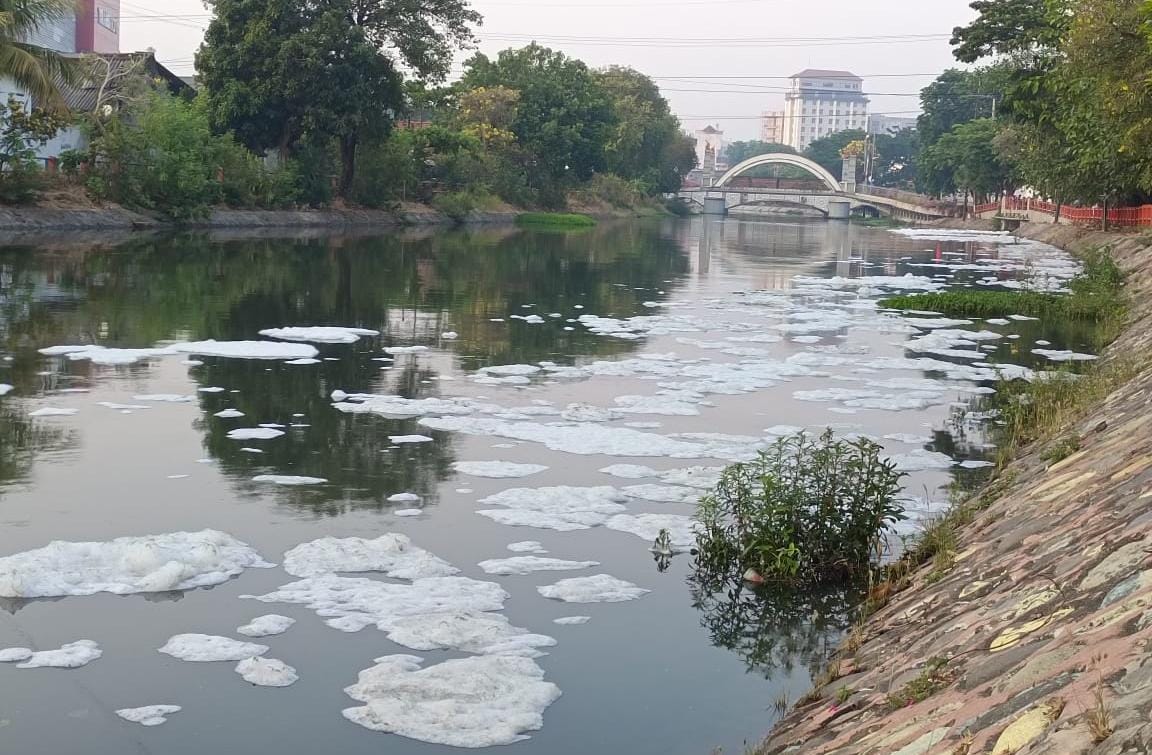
(838, 199)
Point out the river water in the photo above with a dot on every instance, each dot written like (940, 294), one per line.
(670, 344)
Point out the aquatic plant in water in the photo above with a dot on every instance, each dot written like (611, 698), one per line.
(808, 509)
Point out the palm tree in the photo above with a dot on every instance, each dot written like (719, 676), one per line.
(34, 69)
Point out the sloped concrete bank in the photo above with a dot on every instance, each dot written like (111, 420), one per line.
(1039, 639)
(35, 219)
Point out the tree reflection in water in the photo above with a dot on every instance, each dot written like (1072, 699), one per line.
(777, 626)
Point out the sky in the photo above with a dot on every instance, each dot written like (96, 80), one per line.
(719, 62)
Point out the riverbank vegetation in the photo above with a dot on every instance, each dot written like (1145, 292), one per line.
(555, 220)
(278, 124)
(806, 510)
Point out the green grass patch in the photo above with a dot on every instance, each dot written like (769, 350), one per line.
(555, 220)
(1096, 295)
(935, 677)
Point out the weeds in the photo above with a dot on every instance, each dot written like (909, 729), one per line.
(935, 677)
(806, 509)
(780, 704)
(1061, 449)
(1100, 716)
(555, 220)
(843, 694)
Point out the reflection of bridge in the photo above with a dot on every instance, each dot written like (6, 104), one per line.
(838, 200)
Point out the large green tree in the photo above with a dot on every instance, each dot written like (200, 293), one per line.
(894, 159)
(969, 159)
(565, 118)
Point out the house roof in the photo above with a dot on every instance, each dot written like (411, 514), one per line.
(820, 73)
(712, 130)
(81, 94)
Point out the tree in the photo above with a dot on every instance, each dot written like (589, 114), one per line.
(564, 120)
(738, 152)
(1017, 28)
(422, 34)
(894, 159)
(34, 69)
(968, 159)
(826, 151)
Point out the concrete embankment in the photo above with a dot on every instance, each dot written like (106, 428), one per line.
(1039, 638)
(35, 219)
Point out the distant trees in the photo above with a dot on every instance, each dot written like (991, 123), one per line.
(738, 152)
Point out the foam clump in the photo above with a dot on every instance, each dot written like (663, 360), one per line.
(469, 702)
(71, 655)
(104, 355)
(403, 498)
(267, 672)
(529, 564)
(497, 469)
(319, 334)
(266, 626)
(391, 553)
(563, 508)
(206, 648)
(14, 655)
(255, 433)
(151, 563)
(148, 715)
(278, 479)
(681, 529)
(572, 620)
(402, 439)
(600, 588)
(247, 349)
(526, 546)
(467, 631)
(52, 411)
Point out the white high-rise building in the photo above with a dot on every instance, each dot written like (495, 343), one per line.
(820, 103)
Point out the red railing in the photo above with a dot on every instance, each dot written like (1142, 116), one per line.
(1121, 217)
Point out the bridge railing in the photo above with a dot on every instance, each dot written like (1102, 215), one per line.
(1093, 216)
(911, 197)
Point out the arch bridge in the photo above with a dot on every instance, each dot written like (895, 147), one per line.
(838, 199)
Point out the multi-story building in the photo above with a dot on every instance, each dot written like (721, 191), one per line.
(95, 28)
(888, 124)
(820, 103)
(772, 128)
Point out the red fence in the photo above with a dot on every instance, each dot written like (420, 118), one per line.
(1117, 216)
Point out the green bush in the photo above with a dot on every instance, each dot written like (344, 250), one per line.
(22, 131)
(807, 509)
(613, 190)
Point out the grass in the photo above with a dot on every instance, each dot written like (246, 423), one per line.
(935, 677)
(1100, 716)
(881, 222)
(1096, 295)
(555, 220)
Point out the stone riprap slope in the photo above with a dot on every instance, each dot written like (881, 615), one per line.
(1039, 639)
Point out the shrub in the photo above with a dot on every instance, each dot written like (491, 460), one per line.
(807, 509)
(22, 131)
(613, 190)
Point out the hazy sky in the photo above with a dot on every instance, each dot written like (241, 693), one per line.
(697, 49)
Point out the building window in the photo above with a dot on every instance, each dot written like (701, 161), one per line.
(108, 19)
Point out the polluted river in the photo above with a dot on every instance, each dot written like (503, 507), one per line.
(398, 493)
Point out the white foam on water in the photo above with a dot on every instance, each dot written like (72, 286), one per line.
(528, 564)
(400, 407)
(526, 546)
(927, 234)
(391, 553)
(601, 588)
(681, 529)
(266, 625)
(998, 321)
(469, 702)
(151, 563)
(121, 407)
(403, 498)
(662, 405)
(921, 460)
(5, 388)
(350, 604)
(469, 632)
(662, 493)
(165, 398)
(1064, 356)
(267, 672)
(630, 471)
(71, 655)
(400, 439)
(206, 648)
(105, 356)
(302, 361)
(1022, 318)
(15, 655)
(291, 480)
(148, 715)
(51, 411)
(497, 469)
(563, 508)
(247, 349)
(322, 334)
(408, 512)
(254, 433)
(229, 413)
(504, 370)
(405, 349)
(572, 620)
(450, 335)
